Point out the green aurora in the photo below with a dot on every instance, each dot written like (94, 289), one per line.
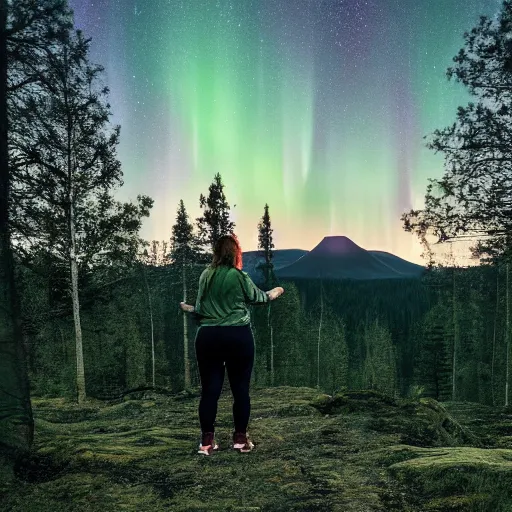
(317, 108)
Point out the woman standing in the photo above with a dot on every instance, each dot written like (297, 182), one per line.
(225, 339)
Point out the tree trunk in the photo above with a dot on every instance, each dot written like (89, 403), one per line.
(494, 336)
(454, 352)
(16, 421)
(507, 337)
(272, 371)
(80, 372)
(319, 335)
(152, 325)
(153, 365)
(186, 359)
(272, 378)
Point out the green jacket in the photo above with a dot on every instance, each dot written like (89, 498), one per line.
(224, 295)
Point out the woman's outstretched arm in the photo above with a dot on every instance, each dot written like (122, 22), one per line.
(187, 307)
(275, 292)
(255, 296)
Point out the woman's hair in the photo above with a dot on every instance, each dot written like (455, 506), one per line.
(227, 251)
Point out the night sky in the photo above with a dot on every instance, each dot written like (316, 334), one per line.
(318, 108)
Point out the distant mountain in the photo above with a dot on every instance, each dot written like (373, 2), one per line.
(337, 257)
(280, 258)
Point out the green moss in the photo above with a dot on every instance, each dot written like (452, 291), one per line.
(458, 503)
(84, 492)
(484, 476)
(313, 452)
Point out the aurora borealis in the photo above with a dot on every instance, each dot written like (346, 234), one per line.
(318, 108)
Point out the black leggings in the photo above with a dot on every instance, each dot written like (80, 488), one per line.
(233, 345)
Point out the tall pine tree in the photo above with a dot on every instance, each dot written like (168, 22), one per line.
(473, 198)
(184, 253)
(379, 368)
(266, 244)
(214, 222)
(183, 241)
(433, 365)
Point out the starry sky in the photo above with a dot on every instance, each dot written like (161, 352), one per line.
(316, 107)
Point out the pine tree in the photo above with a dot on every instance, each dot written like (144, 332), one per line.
(334, 351)
(285, 357)
(433, 362)
(150, 260)
(65, 168)
(319, 341)
(155, 257)
(184, 253)
(507, 332)
(455, 327)
(183, 241)
(473, 198)
(214, 222)
(265, 244)
(379, 368)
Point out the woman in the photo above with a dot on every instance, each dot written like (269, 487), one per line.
(225, 338)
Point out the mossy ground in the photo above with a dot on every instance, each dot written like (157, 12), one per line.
(358, 451)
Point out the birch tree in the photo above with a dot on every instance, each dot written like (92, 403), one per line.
(65, 167)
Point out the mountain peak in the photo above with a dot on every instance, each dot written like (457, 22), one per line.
(336, 245)
(337, 257)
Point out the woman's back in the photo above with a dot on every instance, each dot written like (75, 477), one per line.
(224, 294)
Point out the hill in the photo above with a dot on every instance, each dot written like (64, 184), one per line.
(337, 257)
(280, 258)
(358, 450)
(399, 264)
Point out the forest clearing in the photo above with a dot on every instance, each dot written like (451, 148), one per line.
(358, 451)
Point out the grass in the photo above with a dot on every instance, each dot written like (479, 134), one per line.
(358, 451)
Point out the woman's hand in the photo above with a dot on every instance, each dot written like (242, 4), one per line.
(275, 293)
(187, 307)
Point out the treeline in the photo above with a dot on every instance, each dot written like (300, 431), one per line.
(443, 337)
(132, 332)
